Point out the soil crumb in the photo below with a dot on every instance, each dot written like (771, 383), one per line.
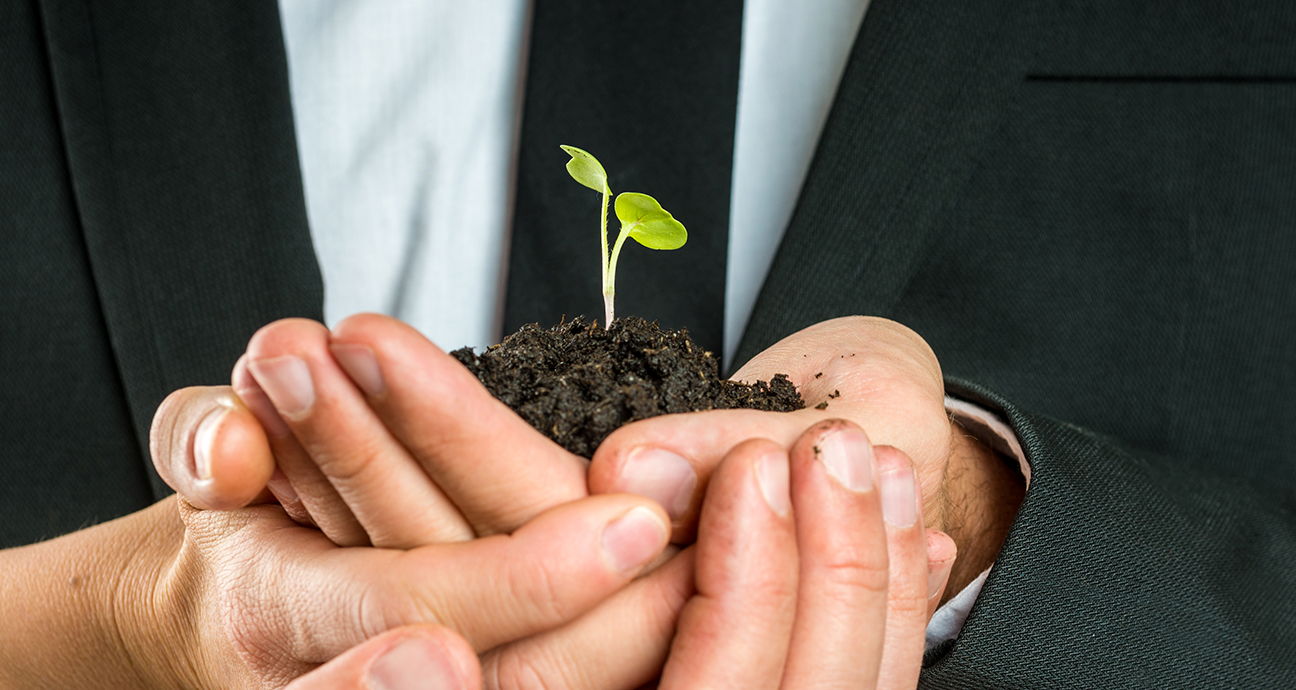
(577, 382)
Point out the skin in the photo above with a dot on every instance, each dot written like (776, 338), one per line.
(885, 377)
(874, 372)
(200, 592)
(779, 602)
(178, 597)
(376, 386)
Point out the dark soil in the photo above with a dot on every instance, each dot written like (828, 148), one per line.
(576, 382)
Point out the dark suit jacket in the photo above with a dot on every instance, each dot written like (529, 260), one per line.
(1088, 209)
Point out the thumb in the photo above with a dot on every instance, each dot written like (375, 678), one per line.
(210, 448)
(423, 656)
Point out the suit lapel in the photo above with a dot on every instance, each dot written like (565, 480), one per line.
(651, 89)
(925, 85)
(179, 138)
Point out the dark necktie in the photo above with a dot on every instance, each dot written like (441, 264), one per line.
(651, 89)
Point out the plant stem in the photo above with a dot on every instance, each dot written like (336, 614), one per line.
(607, 299)
(609, 284)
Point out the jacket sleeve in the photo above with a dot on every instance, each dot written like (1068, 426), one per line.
(1125, 569)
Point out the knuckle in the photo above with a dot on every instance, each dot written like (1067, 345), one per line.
(908, 606)
(851, 573)
(529, 667)
(537, 589)
(357, 459)
(372, 612)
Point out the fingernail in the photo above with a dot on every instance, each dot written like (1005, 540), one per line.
(203, 441)
(281, 487)
(936, 577)
(633, 539)
(772, 476)
(255, 399)
(413, 664)
(899, 499)
(287, 382)
(848, 457)
(360, 364)
(661, 475)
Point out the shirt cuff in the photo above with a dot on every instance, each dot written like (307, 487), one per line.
(990, 429)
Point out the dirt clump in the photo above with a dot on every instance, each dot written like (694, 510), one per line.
(578, 382)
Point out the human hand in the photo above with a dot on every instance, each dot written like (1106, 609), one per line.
(252, 599)
(800, 558)
(873, 372)
(375, 466)
(812, 569)
(425, 426)
(356, 470)
(400, 359)
(172, 596)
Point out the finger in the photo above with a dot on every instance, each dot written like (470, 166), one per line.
(941, 553)
(303, 598)
(875, 372)
(378, 481)
(910, 584)
(498, 470)
(841, 617)
(209, 448)
(298, 483)
(670, 458)
(414, 657)
(620, 644)
(547, 573)
(734, 632)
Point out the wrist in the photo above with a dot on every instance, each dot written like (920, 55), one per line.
(154, 610)
(70, 605)
(982, 495)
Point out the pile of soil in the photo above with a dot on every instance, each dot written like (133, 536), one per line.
(577, 382)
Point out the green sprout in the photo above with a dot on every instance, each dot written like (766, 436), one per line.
(641, 218)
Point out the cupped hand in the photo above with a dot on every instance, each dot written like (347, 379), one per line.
(347, 408)
(375, 428)
(383, 439)
(876, 373)
(811, 572)
(812, 569)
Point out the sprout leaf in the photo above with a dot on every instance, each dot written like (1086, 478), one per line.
(641, 218)
(648, 223)
(586, 170)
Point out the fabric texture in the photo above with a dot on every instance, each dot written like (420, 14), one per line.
(152, 220)
(1086, 209)
(1128, 570)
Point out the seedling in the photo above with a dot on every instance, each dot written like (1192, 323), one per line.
(641, 218)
